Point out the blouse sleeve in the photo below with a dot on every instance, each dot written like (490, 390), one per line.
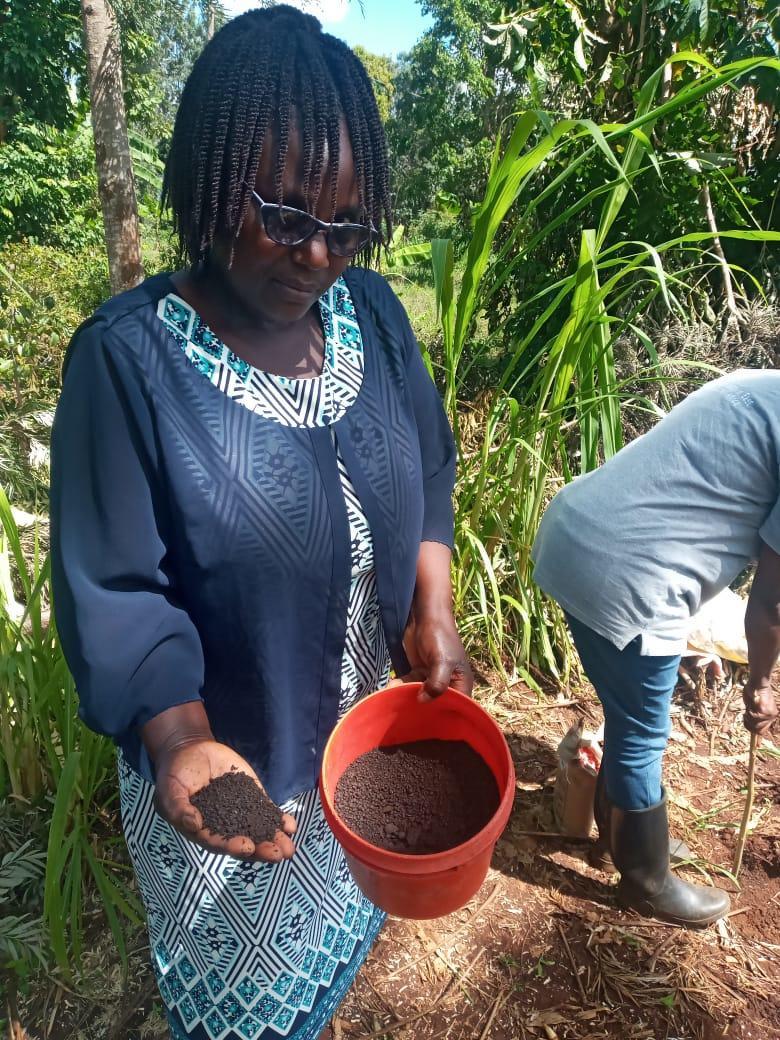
(132, 649)
(437, 445)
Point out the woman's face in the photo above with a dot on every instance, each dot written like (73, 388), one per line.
(281, 283)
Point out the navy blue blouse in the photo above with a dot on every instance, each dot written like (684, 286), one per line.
(184, 568)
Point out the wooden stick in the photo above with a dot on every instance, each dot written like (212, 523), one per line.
(573, 963)
(498, 1003)
(751, 792)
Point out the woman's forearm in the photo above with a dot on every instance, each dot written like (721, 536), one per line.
(176, 727)
(433, 585)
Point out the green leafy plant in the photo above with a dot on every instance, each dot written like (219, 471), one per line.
(49, 758)
(23, 947)
(401, 257)
(44, 295)
(557, 408)
(48, 187)
(21, 935)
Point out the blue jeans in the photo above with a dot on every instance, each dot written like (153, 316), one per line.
(635, 692)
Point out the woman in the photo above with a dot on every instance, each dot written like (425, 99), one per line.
(251, 504)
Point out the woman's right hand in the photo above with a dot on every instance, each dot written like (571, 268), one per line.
(183, 770)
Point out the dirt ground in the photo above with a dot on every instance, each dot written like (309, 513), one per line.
(542, 951)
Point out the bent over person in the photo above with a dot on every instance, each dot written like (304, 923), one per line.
(631, 551)
(252, 519)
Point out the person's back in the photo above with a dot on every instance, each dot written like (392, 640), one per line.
(633, 548)
(630, 551)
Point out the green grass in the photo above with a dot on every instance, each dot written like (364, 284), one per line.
(50, 760)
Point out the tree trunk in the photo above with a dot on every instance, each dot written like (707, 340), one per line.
(116, 184)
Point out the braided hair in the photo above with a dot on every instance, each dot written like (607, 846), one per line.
(267, 68)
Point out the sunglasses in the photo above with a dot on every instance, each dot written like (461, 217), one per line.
(288, 226)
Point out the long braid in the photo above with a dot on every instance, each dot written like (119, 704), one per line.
(251, 138)
(283, 105)
(221, 155)
(381, 204)
(316, 83)
(368, 137)
(305, 118)
(270, 70)
(357, 133)
(249, 109)
(377, 168)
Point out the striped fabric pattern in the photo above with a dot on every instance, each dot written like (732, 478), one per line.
(300, 403)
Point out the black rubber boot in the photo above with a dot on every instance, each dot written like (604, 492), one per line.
(600, 856)
(640, 849)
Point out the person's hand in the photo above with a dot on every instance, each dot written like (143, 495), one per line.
(184, 770)
(436, 656)
(760, 707)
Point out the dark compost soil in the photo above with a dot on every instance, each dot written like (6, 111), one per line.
(234, 806)
(421, 797)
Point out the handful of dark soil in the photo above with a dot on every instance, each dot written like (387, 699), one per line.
(234, 806)
(416, 798)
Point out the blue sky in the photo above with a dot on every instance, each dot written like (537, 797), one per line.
(388, 26)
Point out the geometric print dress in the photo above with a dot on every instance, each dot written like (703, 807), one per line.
(265, 950)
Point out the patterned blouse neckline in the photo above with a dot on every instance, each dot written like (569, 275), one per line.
(291, 401)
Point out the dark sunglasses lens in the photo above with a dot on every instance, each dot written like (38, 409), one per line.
(346, 241)
(287, 226)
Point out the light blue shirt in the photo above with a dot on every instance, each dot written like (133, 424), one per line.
(635, 547)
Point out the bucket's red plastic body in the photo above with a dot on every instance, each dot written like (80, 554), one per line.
(428, 885)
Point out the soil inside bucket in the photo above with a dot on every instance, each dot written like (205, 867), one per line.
(422, 797)
(234, 806)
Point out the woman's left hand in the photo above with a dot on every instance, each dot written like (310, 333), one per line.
(436, 655)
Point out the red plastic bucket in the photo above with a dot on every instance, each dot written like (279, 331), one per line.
(428, 885)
